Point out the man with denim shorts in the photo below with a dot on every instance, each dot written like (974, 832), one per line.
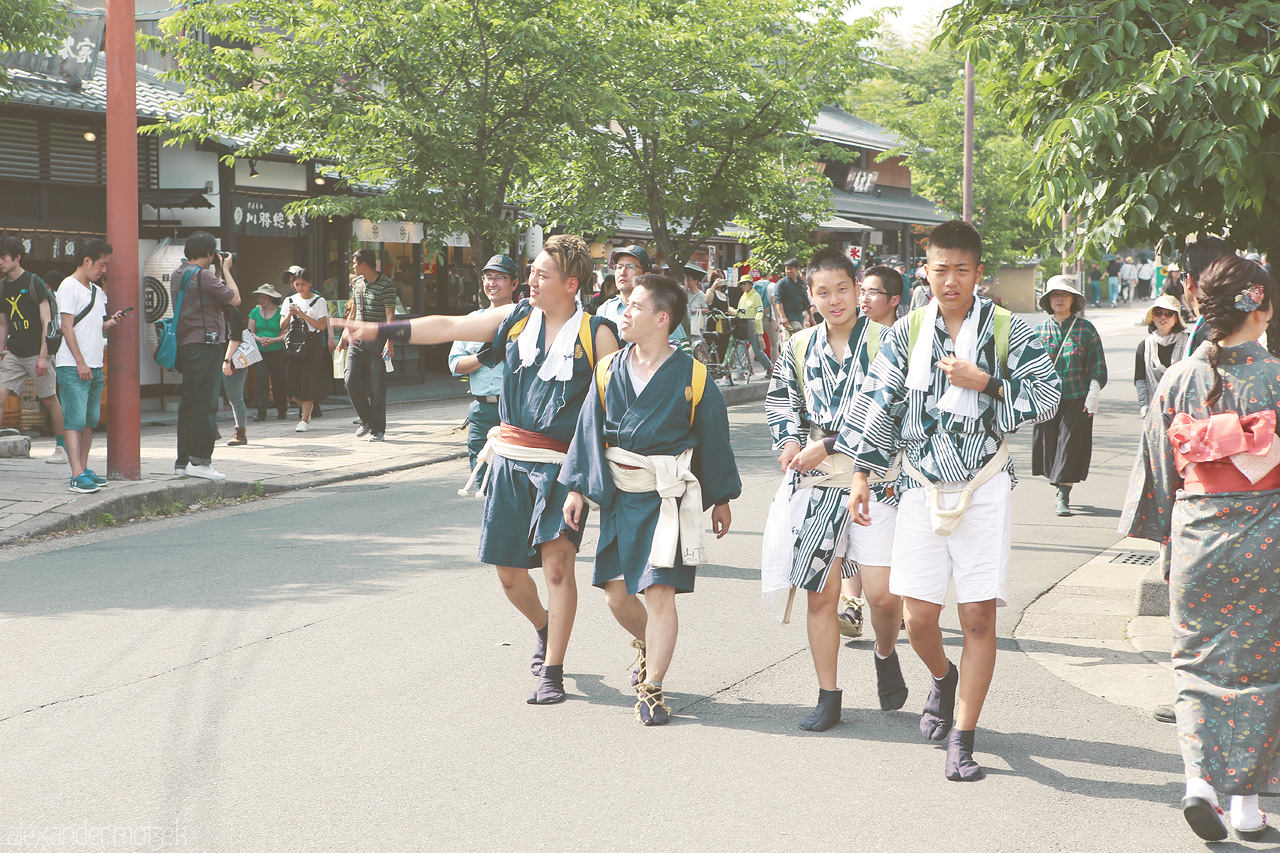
(24, 351)
(85, 323)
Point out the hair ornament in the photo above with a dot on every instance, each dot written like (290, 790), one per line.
(1250, 299)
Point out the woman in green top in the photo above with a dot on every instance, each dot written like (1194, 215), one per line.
(264, 322)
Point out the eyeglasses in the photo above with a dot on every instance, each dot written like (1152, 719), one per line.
(1162, 312)
(627, 267)
(499, 278)
(874, 293)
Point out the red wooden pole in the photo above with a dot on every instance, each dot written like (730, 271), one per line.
(124, 418)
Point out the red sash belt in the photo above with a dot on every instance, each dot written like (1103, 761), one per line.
(525, 438)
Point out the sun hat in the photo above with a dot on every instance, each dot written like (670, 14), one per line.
(268, 290)
(1064, 284)
(1167, 302)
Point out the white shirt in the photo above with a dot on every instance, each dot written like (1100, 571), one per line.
(1147, 270)
(1128, 272)
(611, 309)
(72, 299)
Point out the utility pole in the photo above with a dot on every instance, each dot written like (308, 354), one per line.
(968, 142)
(124, 418)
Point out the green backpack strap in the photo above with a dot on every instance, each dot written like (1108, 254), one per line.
(799, 351)
(874, 331)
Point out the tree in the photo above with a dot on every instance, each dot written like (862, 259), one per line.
(442, 105)
(919, 95)
(1146, 117)
(699, 109)
(33, 26)
(779, 223)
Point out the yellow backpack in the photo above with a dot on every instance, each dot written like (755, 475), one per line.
(800, 348)
(584, 335)
(692, 392)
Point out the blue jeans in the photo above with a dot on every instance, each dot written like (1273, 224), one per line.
(81, 398)
(1113, 289)
(1095, 290)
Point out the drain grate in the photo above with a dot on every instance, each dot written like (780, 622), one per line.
(1135, 558)
(313, 452)
(756, 454)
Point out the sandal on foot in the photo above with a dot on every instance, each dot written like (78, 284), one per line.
(850, 617)
(550, 689)
(539, 650)
(650, 707)
(961, 766)
(639, 666)
(1253, 833)
(1205, 818)
(890, 685)
(940, 708)
(826, 715)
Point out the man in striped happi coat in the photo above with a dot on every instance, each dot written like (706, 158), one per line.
(815, 380)
(952, 380)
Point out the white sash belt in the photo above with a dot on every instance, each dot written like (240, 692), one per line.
(680, 517)
(945, 521)
(515, 452)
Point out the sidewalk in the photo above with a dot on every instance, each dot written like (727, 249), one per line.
(425, 424)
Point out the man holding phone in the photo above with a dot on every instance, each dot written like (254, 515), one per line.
(207, 285)
(83, 306)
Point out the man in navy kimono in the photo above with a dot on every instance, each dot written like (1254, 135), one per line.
(652, 451)
(548, 347)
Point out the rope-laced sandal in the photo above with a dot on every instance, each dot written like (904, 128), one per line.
(650, 709)
(639, 669)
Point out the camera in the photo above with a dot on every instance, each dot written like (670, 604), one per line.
(222, 257)
(211, 337)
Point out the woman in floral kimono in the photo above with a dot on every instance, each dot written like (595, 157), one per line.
(1209, 473)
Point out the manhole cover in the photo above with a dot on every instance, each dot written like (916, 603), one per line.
(1135, 558)
(353, 487)
(312, 452)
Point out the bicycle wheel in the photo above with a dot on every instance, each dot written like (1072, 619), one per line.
(739, 361)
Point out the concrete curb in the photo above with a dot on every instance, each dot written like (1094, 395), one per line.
(15, 446)
(737, 394)
(1152, 597)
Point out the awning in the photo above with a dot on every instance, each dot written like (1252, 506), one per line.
(838, 225)
(174, 198)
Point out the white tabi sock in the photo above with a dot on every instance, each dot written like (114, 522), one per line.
(1197, 787)
(1245, 813)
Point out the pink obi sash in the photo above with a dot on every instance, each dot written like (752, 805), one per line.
(1226, 452)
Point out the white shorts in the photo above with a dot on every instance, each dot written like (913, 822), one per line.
(976, 554)
(870, 546)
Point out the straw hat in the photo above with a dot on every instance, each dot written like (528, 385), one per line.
(1167, 302)
(268, 290)
(1062, 284)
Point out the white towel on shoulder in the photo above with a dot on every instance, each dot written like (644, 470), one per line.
(557, 364)
(958, 401)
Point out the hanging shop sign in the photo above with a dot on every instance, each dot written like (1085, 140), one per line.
(385, 231)
(75, 55)
(49, 245)
(264, 216)
(861, 181)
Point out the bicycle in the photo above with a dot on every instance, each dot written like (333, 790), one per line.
(732, 358)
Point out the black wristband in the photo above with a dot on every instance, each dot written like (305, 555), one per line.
(397, 331)
(994, 388)
(829, 444)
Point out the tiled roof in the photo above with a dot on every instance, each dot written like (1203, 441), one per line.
(37, 91)
(835, 125)
(888, 204)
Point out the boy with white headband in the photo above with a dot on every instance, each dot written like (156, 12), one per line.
(548, 346)
(951, 381)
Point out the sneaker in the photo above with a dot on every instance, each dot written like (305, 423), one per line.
(363, 431)
(204, 472)
(1164, 713)
(179, 469)
(93, 475)
(850, 617)
(84, 485)
(302, 426)
(58, 456)
(378, 436)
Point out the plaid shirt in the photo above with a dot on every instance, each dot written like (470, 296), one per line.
(945, 447)
(1079, 359)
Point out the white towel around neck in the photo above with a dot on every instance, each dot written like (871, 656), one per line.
(557, 364)
(958, 401)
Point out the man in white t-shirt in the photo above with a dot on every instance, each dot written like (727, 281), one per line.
(83, 306)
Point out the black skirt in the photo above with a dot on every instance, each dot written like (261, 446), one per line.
(1061, 446)
(308, 375)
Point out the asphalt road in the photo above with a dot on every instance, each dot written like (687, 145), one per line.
(333, 670)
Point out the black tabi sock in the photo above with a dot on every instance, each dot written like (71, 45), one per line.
(890, 685)
(961, 766)
(550, 689)
(940, 708)
(539, 650)
(826, 715)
